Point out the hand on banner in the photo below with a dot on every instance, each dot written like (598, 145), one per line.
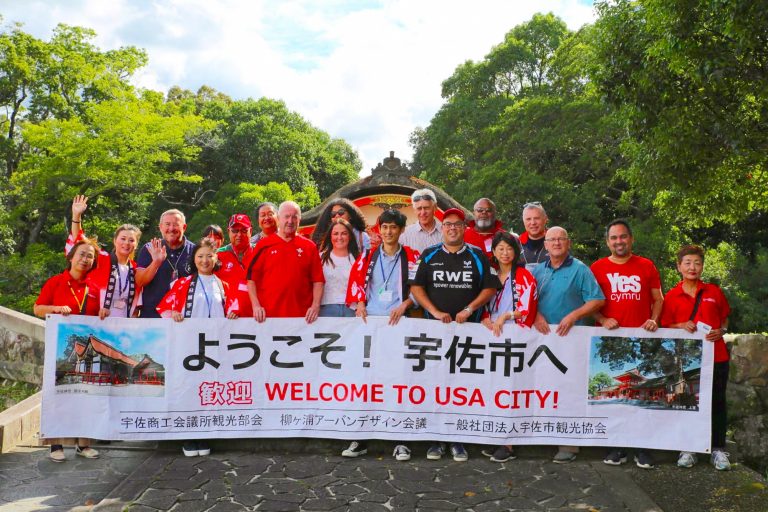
(650, 325)
(312, 313)
(565, 324)
(259, 314)
(463, 315)
(715, 334)
(397, 313)
(361, 312)
(541, 324)
(442, 316)
(610, 323)
(103, 313)
(232, 315)
(177, 317)
(689, 326)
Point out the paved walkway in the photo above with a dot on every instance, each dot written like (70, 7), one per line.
(142, 480)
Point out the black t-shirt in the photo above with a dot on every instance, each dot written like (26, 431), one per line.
(453, 280)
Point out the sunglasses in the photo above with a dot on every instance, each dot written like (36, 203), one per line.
(532, 203)
(338, 213)
(425, 197)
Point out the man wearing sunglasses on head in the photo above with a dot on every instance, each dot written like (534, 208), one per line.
(481, 230)
(427, 231)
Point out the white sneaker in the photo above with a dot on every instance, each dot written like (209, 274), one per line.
(355, 449)
(686, 460)
(720, 460)
(402, 453)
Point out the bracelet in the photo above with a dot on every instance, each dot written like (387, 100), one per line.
(75, 222)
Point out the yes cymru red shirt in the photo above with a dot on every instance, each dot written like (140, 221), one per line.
(284, 273)
(627, 289)
(713, 311)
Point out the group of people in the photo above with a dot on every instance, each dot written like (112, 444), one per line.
(449, 270)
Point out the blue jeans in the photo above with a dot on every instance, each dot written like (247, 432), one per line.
(336, 310)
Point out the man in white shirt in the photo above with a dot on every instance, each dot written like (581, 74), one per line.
(427, 231)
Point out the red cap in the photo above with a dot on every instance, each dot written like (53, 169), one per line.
(454, 211)
(240, 218)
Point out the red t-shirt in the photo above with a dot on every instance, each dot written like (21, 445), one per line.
(64, 290)
(627, 289)
(284, 273)
(713, 311)
(235, 273)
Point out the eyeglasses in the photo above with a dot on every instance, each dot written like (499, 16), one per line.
(532, 203)
(559, 239)
(424, 197)
(450, 225)
(238, 231)
(338, 213)
(484, 210)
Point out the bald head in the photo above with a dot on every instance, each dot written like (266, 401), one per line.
(557, 243)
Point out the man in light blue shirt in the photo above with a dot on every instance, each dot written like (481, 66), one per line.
(568, 291)
(568, 296)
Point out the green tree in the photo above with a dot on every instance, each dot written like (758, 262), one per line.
(234, 198)
(118, 153)
(690, 79)
(600, 381)
(652, 355)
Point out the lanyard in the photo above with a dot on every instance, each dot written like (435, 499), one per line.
(392, 268)
(80, 303)
(499, 294)
(205, 295)
(120, 287)
(175, 273)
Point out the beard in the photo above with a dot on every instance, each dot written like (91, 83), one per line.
(484, 224)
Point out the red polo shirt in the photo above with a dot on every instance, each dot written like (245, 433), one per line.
(713, 311)
(64, 290)
(284, 274)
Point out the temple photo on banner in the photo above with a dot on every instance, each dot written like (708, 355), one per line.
(652, 373)
(95, 361)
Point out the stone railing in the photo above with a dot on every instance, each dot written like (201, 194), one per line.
(748, 397)
(22, 339)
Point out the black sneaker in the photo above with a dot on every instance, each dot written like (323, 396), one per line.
(190, 449)
(203, 448)
(503, 454)
(643, 460)
(615, 458)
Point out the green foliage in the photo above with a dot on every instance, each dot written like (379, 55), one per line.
(12, 393)
(243, 198)
(689, 78)
(599, 381)
(22, 277)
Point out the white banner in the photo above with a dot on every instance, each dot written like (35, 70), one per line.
(341, 378)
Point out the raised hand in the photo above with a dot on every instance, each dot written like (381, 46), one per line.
(157, 250)
(79, 205)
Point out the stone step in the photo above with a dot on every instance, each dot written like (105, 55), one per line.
(20, 424)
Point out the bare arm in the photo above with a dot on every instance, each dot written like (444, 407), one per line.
(482, 299)
(317, 296)
(41, 310)
(258, 312)
(79, 205)
(658, 302)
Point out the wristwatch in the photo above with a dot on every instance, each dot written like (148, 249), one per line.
(468, 310)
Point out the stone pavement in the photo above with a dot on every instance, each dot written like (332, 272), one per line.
(270, 480)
